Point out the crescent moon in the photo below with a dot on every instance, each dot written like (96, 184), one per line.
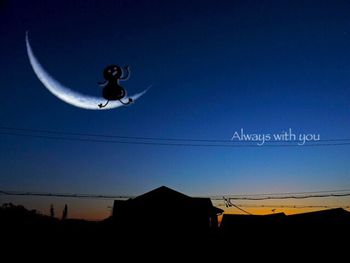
(68, 95)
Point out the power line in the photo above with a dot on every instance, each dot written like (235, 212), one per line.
(288, 197)
(145, 138)
(287, 206)
(266, 196)
(111, 136)
(124, 142)
(227, 200)
(125, 197)
(217, 197)
(69, 195)
(169, 144)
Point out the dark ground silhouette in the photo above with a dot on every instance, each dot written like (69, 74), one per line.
(168, 220)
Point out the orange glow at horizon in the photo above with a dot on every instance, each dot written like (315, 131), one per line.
(93, 209)
(289, 207)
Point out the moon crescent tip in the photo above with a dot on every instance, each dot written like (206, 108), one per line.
(27, 38)
(148, 88)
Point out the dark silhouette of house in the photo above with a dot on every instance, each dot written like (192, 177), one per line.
(336, 216)
(237, 222)
(325, 222)
(167, 209)
(319, 225)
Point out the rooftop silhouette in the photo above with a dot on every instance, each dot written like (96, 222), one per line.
(165, 207)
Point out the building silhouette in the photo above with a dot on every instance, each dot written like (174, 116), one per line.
(236, 222)
(167, 209)
(327, 221)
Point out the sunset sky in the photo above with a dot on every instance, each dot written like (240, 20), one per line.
(216, 67)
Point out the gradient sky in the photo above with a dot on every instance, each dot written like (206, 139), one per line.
(215, 66)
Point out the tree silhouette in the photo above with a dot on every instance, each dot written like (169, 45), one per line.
(52, 211)
(65, 212)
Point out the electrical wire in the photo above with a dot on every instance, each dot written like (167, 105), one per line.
(288, 197)
(144, 138)
(217, 197)
(170, 144)
(69, 195)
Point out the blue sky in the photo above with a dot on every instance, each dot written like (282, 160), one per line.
(215, 67)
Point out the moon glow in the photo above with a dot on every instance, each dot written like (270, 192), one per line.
(68, 95)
